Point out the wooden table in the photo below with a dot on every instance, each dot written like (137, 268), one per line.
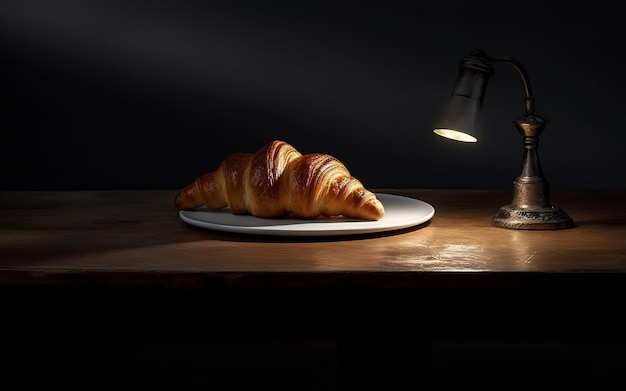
(122, 264)
(90, 242)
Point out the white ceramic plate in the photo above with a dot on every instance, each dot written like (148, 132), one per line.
(400, 212)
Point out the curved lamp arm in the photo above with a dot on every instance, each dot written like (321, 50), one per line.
(530, 99)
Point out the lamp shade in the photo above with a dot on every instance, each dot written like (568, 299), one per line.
(459, 120)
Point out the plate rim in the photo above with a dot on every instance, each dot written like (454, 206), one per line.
(265, 231)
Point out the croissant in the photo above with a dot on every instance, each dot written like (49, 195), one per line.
(278, 181)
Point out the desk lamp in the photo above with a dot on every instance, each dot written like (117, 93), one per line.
(530, 208)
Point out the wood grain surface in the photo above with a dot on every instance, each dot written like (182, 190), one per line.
(126, 237)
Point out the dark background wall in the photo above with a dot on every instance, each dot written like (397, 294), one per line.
(148, 95)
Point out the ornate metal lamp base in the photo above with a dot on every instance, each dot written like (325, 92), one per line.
(542, 218)
(531, 207)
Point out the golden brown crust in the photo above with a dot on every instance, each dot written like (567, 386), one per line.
(263, 184)
(234, 170)
(277, 181)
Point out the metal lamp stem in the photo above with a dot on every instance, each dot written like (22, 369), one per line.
(530, 207)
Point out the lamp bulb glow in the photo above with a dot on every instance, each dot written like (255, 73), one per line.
(455, 135)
